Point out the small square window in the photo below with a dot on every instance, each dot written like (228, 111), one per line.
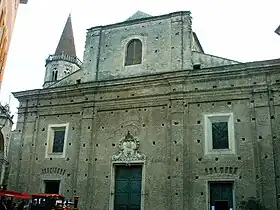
(57, 137)
(52, 186)
(219, 134)
(196, 66)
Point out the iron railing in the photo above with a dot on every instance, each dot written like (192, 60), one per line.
(65, 57)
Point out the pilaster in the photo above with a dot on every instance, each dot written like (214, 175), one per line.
(187, 42)
(265, 176)
(91, 55)
(176, 144)
(85, 157)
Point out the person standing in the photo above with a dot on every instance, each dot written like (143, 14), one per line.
(21, 206)
(14, 206)
(3, 206)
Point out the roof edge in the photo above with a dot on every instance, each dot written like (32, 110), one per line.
(62, 79)
(23, 1)
(237, 62)
(277, 31)
(198, 42)
(239, 66)
(152, 18)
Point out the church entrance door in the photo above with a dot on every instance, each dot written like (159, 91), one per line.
(128, 187)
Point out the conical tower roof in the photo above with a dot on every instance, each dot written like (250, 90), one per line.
(66, 43)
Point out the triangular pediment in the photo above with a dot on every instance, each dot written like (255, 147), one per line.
(138, 15)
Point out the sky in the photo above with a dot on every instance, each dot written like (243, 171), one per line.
(241, 30)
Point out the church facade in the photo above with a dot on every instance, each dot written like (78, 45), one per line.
(150, 121)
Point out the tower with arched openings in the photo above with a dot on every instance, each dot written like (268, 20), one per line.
(64, 61)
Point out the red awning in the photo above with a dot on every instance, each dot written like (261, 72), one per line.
(47, 195)
(14, 194)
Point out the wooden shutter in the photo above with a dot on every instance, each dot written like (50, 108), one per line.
(129, 53)
(137, 52)
(128, 187)
(134, 52)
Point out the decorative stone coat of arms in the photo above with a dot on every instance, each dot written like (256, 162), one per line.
(129, 150)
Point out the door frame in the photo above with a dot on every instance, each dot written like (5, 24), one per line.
(207, 185)
(112, 185)
(50, 178)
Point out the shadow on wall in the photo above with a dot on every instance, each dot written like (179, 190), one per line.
(251, 204)
(1, 143)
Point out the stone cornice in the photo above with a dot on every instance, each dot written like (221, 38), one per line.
(207, 74)
(138, 21)
(151, 100)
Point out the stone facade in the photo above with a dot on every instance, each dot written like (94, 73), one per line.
(6, 124)
(157, 115)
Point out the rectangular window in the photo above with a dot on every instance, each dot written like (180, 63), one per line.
(219, 133)
(58, 141)
(221, 195)
(52, 186)
(57, 137)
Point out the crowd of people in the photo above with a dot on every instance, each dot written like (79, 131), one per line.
(61, 207)
(49, 204)
(10, 200)
(10, 205)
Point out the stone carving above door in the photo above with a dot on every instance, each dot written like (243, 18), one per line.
(53, 170)
(129, 150)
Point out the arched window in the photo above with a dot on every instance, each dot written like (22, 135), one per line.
(54, 75)
(133, 52)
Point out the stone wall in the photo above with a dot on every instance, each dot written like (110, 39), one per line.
(166, 43)
(208, 61)
(64, 69)
(6, 124)
(165, 112)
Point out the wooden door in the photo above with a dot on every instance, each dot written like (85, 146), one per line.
(221, 195)
(128, 187)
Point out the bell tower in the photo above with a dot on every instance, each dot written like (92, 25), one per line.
(64, 61)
